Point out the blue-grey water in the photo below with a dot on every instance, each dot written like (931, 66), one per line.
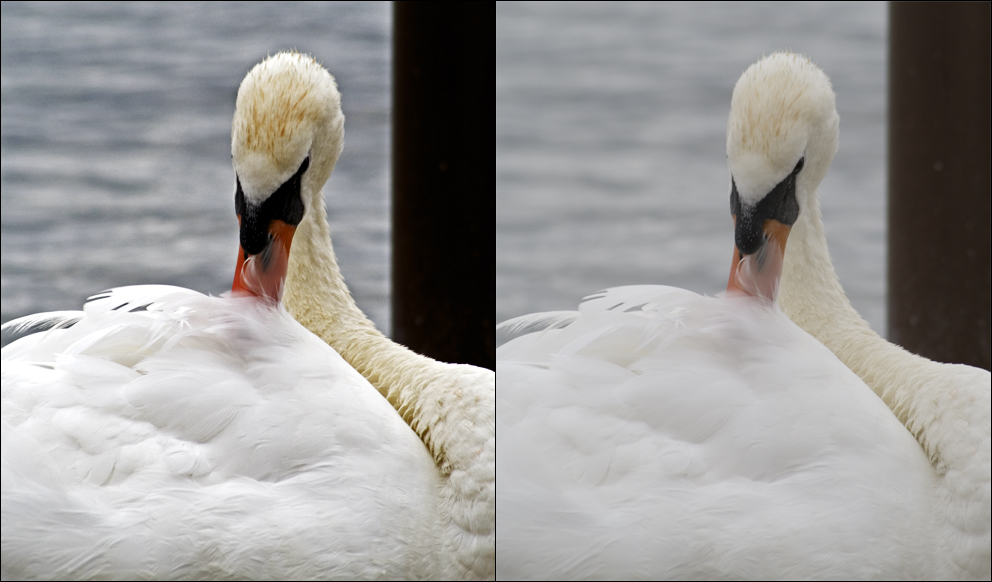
(116, 123)
(611, 151)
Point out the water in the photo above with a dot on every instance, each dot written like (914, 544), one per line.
(611, 151)
(116, 122)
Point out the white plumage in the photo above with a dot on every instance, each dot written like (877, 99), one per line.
(451, 407)
(668, 435)
(656, 433)
(161, 433)
(204, 437)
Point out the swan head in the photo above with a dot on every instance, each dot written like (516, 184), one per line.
(287, 134)
(781, 137)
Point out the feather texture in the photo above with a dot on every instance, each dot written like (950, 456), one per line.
(203, 438)
(667, 435)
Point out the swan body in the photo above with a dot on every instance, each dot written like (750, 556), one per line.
(946, 406)
(662, 434)
(450, 406)
(655, 433)
(166, 434)
(204, 437)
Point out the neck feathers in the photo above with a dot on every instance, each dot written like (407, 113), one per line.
(450, 407)
(946, 407)
(812, 296)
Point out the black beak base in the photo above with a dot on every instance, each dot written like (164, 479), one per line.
(285, 204)
(780, 204)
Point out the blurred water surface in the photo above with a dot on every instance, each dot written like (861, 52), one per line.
(611, 152)
(116, 123)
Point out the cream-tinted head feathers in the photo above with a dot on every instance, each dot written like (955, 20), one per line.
(288, 108)
(782, 109)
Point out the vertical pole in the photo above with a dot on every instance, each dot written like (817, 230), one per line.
(444, 190)
(940, 184)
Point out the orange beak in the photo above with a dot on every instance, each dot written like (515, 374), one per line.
(758, 274)
(264, 274)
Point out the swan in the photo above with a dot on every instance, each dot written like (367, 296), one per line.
(656, 433)
(946, 406)
(161, 433)
(451, 407)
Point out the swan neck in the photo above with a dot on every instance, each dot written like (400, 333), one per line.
(811, 293)
(451, 408)
(812, 296)
(317, 296)
(918, 391)
(314, 279)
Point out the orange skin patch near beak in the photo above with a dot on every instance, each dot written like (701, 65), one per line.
(264, 274)
(758, 275)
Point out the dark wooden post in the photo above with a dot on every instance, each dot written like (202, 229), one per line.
(939, 179)
(444, 189)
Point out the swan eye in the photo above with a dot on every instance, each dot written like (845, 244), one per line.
(799, 165)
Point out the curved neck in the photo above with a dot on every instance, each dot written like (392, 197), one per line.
(315, 292)
(450, 407)
(812, 296)
(317, 297)
(810, 292)
(926, 396)
(946, 407)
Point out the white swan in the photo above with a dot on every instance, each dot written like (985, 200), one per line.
(167, 434)
(659, 434)
(450, 406)
(947, 407)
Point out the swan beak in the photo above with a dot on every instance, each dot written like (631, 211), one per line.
(758, 274)
(263, 274)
